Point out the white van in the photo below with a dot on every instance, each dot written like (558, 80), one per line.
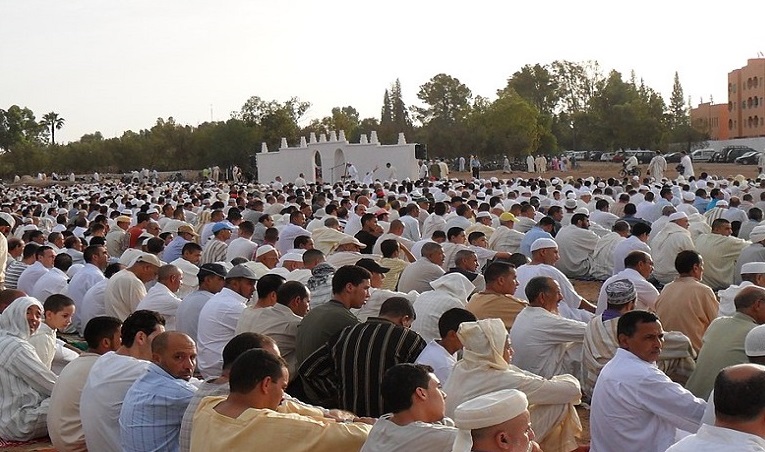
(702, 155)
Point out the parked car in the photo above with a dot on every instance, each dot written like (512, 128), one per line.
(673, 157)
(750, 158)
(607, 156)
(595, 156)
(729, 154)
(702, 155)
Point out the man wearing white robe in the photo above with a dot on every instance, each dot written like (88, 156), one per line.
(672, 239)
(752, 253)
(657, 166)
(600, 341)
(738, 424)
(635, 406)
(505, 237)
(544, 253)
(449, 291)
(687, 164)
(639, 267)
(545, 343)
(603, 256)
(526, 220)
(485, 367)
(162, 298)
(601, 216)
(435, 221)
(719, 250)
(577, 245)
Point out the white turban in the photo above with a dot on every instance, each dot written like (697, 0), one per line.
(486, 411)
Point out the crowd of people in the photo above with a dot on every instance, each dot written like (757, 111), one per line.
(417, 315)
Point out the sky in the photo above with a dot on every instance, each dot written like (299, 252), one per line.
(116, 65)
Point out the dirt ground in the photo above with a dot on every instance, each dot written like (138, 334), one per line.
(610, 169)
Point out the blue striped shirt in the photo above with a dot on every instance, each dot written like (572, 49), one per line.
(152, 411)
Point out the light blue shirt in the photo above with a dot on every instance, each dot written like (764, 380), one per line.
(174, 249)
(534, 233)
(152, 411)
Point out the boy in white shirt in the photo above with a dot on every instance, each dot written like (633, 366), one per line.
(59, 312)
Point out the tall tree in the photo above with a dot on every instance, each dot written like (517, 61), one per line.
(678, 114)
(53, 122)
(274, 119)
(18, 126)
(577, 83)
(401, 120)
(386, 115)
(509, 126)
(537, 85)
(447, 100)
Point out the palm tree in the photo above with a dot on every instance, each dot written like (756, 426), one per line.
(54, 122)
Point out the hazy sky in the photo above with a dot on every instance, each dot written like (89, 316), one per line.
(114, 65)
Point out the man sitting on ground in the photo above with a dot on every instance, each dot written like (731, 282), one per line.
(739, 412)
(546, 344)
(635, 406)
(415, 422)
(495, 421)
(151, 414)
(257, 382)
(102, 335)
(497, 301)
(441, 354)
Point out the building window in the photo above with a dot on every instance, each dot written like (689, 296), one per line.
(756, 101)
(756, 121)
(749, 103)
(730, 124)
(730, 106)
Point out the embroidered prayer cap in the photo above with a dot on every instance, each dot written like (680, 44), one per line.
(543, 243)
(722, 203)
(754, 344)
(570, 204)
(483, 214)
(621, 291)
(688, 196)
(485, 411)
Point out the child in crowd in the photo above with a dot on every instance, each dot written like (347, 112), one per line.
(58, 311)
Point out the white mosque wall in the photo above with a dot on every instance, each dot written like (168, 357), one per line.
(334, 152)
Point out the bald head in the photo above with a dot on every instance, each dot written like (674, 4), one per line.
(175, 353)
(740, 398)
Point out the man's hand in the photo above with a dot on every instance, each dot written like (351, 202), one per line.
(365, 420)
(340, 415)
